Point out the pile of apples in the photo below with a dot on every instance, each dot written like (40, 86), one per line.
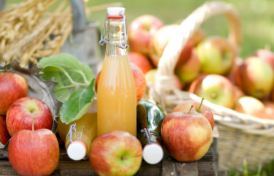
(28, 121)
(208, 67)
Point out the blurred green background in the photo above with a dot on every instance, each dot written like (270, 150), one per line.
(257, 17)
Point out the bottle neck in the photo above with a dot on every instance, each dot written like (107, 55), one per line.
(115, 36)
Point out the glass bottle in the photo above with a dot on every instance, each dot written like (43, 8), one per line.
(116, 93)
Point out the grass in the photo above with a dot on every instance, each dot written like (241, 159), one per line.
(257, 18)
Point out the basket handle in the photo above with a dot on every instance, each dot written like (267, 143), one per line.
(163, 80)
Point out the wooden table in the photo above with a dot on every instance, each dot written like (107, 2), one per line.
(207, 166)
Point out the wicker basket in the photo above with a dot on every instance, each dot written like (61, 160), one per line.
(241, 137)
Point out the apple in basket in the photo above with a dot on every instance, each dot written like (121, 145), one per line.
(34, 152)
(216, 89)
(190, 70)
(216, 55)
(140, 31)
(150, 78)
(266, 56)
(198, 37)
(23, 110)
(159, 42)
(197, 107)
(140, 61)
(255, 77)
(251, 106)
(116, 153)
(13, 86)
(4, 135)
(186, 135)
(139, 79)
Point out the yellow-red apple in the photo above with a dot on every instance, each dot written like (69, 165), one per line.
(255, 77)
(251, 106)
(140, 31)
(216, 55)
(190, 70)
(159, 42)
(139, 79)
(22, 111)
(34, 152)
(4, 135)
(216, 89)
(13, 86)
(265, 55)
(197, 107)
(116, 153)
(187, 136)
(140, 61)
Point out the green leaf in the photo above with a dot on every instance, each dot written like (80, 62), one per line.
(67, 71)
(77, 104)
(79, 72)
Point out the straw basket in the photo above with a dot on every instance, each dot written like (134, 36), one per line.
(241, 137)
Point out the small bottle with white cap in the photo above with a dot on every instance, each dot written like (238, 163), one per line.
(79, 134)
(116, 91)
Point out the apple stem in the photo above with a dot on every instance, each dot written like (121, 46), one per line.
(200, 105)
(33, 123)
(190, 109)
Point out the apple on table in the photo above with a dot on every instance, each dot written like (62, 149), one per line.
(13, 86)
(34, 152)
(140, 31)
(186, 135)
(140, 61)
(116, 153)
(23, 110)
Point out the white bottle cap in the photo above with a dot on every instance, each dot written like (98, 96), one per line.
(113, 11)
(153, 153)
(77, 150)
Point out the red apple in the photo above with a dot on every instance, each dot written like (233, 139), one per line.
(139, 79)
(34, 152)
(116, 153)
(216, 55)
(251, 106)
(269, 109)
(216, 89)
(141, 30)
(255, 77)
(197, 107)
(150, 78)
(13, 86)
(187, 136)
(190, 70)
(4, 135)
(140, 61)
(23, 110)
(238, 92)
(265, 55)
(159, 42)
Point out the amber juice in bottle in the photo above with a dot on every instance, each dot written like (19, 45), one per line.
(116, 93)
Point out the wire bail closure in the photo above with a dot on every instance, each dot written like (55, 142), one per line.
(103, 37)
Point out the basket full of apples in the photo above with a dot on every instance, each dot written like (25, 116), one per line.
(180, 63)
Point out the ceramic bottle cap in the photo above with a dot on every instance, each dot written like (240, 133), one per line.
(115, 11)
(77, 150)
(153, 153)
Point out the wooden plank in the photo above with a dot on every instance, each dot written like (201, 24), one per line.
(222, 173)
(206, 169)
(174, 168)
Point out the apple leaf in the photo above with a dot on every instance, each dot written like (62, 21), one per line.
(67, 71)
(77, 104)
(75, 84)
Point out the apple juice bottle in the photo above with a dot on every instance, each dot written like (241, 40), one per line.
(116, 93)
(79, 134)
